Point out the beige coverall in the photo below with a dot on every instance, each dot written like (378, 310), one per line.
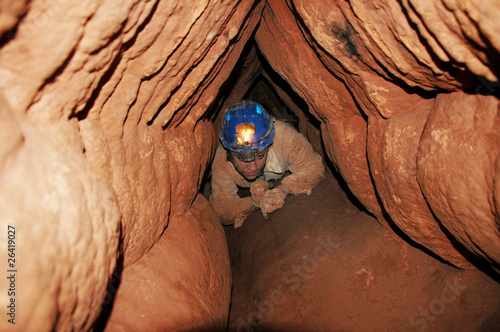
(290, 151)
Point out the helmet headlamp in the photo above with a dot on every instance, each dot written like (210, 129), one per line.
(244, 133)
(247, 129)
(248, 155)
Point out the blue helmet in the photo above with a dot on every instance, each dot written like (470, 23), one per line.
(246, 129)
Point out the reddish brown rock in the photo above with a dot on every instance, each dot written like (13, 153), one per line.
(62, 224)
(10, 14)
(161, 291)
(122, 86)
(398, 40)
(456, 169)
(464, 33)
(106, 134)
(366, 48)
(392, 145)
(328, 98)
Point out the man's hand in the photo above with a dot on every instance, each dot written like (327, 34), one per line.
(272, 201)
(258, 189)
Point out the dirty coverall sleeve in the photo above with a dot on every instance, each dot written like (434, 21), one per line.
(304, 163)
(224, 198)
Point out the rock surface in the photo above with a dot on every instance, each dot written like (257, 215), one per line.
(188, 270)
(321, 264)
(107, 110)
(373, 140)
(112, 94)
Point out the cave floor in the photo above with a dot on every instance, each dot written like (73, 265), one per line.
(322, 264)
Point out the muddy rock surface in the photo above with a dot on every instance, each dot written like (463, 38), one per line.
(322, 264)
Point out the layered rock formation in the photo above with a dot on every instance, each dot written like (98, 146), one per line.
(106, 109)
(372, 82)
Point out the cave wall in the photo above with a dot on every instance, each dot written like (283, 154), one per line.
(106, 136)
(104, 149)
(376, 78)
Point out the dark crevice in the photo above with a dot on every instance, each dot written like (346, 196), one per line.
(264, 94)
(8, 36)
(241, 65)
(279, 81)
(489, 268)
(111, 289)
(95, 94)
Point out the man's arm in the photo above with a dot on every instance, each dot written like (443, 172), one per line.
(305, 164)
(229, 207)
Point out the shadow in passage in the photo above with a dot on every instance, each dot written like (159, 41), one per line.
(111, 291)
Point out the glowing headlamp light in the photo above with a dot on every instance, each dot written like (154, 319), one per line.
(245, 132)
(243, 142)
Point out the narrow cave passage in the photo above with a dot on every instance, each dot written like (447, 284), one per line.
(322, 261)
(109, 111)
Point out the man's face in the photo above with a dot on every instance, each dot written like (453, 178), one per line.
(250, 170)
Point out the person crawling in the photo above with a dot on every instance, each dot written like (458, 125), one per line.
(255, 150)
